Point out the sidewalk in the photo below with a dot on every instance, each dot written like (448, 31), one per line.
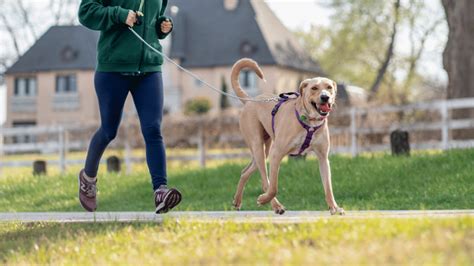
(241, 216)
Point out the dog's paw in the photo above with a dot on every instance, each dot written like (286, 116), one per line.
(263, 199)
(337, 210)
(237, 205)
(278, 208)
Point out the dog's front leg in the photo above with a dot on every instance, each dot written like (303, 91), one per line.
(275, 160)
(325, 171)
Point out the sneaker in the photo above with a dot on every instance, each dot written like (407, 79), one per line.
(87, 193)
(166, 199)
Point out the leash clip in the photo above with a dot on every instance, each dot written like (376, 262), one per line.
(289, 95)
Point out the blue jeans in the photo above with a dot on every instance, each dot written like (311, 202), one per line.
(147, 91)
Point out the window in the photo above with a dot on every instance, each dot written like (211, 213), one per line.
(66, 84)
(25, 87)
(248, 80)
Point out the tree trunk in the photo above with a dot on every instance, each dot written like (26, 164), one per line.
(458, 56)
(383, 68)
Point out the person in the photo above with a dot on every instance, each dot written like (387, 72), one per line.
(125, 65)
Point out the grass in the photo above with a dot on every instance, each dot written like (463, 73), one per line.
(447, 241)
(441, 180)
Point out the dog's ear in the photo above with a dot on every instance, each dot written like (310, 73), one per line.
(334, 85)
(303, 85)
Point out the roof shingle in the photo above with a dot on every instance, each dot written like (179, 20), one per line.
(60, 48)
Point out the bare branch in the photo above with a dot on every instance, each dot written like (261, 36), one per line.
(378, 80)
(416, 55)
(10, 32)
(26, 19)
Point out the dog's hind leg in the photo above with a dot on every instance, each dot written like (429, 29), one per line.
(244, 177)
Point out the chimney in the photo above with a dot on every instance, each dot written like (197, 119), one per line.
(231, 4)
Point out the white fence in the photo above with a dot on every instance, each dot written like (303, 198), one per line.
(355, 132)
(445, 124)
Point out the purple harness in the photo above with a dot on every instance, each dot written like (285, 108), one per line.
(284, 97)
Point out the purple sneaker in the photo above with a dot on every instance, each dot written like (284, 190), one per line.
(166, 199)
(87, 193)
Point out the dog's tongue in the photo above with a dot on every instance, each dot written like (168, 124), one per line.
(325, 107)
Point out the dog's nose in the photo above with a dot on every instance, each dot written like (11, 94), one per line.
(324, 98)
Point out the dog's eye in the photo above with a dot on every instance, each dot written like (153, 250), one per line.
(329, 87)
(314, 88)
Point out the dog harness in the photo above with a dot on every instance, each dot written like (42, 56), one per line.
(284, 97)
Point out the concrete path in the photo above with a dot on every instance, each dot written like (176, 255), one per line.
(241, 216)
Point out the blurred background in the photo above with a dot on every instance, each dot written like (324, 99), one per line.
(401, 65)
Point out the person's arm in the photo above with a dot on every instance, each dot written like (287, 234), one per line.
(95, 16)
(163, 22)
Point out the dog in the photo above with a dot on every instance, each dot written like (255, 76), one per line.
(275, 136)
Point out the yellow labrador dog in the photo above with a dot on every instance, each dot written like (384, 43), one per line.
(296, 125)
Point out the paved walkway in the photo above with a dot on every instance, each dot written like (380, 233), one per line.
(241, 216)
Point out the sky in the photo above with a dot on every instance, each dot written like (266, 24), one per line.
(301, 14)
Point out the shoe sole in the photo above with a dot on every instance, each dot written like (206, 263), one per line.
(79, 194)
(172, 199)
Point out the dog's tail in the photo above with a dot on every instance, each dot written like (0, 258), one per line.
(238, 66)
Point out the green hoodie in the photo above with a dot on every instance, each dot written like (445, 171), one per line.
(118, 49)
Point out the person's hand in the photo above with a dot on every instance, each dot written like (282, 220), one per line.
(131, 19)
(166, 26)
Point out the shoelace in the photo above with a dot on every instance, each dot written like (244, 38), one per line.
(160, 194)
(90, 189)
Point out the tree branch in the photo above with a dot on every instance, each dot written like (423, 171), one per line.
(11, 32)
(383, 68)
(26, 19)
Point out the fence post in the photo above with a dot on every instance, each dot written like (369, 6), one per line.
(444, 125)
(353, 132)
(128, 154)
(201, 147)
(1, 148)
(62, 149)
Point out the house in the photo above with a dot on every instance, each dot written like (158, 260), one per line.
(52, 83)
(212, 35)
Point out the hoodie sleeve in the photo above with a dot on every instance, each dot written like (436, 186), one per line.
(95, 16)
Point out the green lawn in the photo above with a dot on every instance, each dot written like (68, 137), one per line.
(329, 241)
(443, 180)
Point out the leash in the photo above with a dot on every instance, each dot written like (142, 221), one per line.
(190, 73)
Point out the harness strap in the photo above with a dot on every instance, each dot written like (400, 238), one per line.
(284, 97)
(309, 133)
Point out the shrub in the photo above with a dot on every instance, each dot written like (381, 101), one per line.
(198, 106)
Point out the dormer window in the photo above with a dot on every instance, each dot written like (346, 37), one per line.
(68, 54)
(25, 87)
(66, 84)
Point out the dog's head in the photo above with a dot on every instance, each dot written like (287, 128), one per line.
(318, 96)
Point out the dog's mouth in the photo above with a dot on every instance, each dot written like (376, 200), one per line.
(323, 108)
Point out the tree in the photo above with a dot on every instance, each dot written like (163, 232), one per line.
(224, 102)
(359, 46)
(23, 20)
(389, 54)
(458, 57)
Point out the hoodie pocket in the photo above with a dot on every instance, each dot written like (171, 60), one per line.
(119, 47)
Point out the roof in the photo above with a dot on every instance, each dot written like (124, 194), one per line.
(60, 48)
(208, 35)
